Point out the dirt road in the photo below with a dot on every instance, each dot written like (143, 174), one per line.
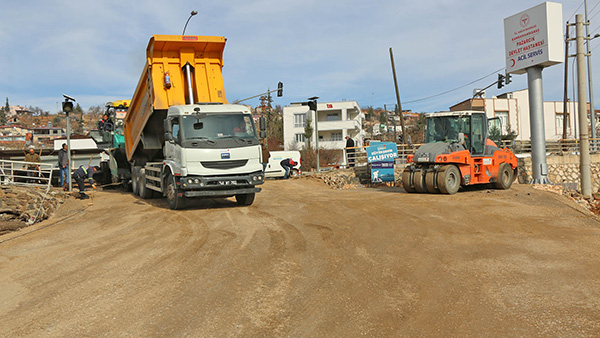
(306, 260)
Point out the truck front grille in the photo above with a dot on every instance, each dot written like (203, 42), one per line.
(224, 164)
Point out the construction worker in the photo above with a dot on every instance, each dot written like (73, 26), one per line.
(265, 154)
(287, 164)
(82, 173)
(63, 165)
(32, 168)
(350, 151)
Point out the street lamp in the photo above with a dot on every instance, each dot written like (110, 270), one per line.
(194, 12)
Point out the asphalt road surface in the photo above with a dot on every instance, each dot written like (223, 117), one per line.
(306, 260)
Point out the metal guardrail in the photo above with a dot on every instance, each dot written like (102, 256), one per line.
(18, 173)
(568, 146)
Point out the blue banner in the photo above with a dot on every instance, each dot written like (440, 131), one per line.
(382, 171)
(382, 152)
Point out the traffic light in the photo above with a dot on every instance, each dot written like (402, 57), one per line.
(507, 79)
(312, 105)
(67, 106)
(500, 81)
(280, 89)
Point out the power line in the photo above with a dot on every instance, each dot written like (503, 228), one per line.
(457, 88)
(572, 15)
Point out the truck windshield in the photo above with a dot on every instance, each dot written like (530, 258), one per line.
(447, 128)
(215, 127)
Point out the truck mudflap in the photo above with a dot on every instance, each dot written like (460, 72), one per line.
(216, 193)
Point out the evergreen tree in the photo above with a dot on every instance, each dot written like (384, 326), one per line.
(79, 127)
(4, 113)
(308, 131)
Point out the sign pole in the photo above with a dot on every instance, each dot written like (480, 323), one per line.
(539, 167)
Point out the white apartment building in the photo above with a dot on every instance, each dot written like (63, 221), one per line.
(513, 110)
(336, 120)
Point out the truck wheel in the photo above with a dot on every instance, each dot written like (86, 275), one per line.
(244, 199)
(505, 177)
(406, 181)
(176, 201)
(135, 180)
(420, 181)
(145, 193)
(448, 179)
(431, 182)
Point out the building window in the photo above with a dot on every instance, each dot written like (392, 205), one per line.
(336, 136)
(299, 120)
(299, 138)
(503, 115)
(333, 117)
(559, 122)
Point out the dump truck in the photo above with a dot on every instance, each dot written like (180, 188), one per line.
(460, 149)
(182, 138)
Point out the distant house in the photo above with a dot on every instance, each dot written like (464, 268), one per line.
(336, 121)
(45, 133)
(513, 110)
(13, 134)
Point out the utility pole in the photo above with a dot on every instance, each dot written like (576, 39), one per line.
(565, 115)
(397, 93)
(584, 152)
(589, 69)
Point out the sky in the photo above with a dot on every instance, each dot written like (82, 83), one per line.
(337, 50)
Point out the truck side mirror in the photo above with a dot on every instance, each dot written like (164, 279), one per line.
(167, 126)
(263, 123)
(167, 129)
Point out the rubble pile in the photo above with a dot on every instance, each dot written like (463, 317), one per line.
(341, 179)
(593, 204)
(22, 206)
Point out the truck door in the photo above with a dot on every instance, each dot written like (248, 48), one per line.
(173, 148)
(478, 129)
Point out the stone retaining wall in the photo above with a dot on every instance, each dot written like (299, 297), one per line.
(562, 169)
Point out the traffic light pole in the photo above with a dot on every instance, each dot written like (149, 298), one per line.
(67, 108)
(279, 91)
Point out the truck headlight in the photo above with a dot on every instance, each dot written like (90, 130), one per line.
(196, 181)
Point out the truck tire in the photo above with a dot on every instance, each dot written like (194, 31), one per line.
(406, 181)
(420, 181)
(505, 177)
(135, 180)
(245, 199)
(176, 202)
(145, 193)
(448, 180)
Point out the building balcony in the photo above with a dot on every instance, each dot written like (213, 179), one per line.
(338, 125)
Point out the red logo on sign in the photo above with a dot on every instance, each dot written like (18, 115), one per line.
(524, 20)
(329, 105)
(189, 38)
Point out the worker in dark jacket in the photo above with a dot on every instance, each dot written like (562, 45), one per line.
(63, 165)
(265, 155)
(287, 164)
(80, 175)
(350, 151)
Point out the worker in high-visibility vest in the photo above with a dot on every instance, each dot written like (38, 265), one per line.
(82, 173)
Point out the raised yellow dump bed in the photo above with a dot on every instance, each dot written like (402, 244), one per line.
(164, 82)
